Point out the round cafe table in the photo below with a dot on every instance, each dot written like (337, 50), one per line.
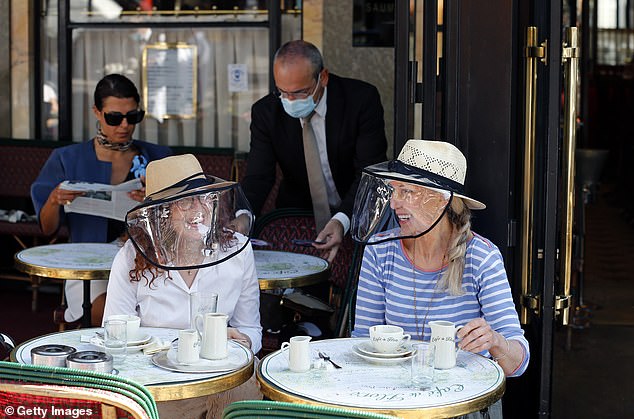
(163, 384)
(277, 269)
(69, 261)
(381, 386)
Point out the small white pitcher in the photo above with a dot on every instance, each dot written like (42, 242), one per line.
(443, 337)
(299, 358)
(214, 335)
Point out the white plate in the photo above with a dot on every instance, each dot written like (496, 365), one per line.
(140, 341)
(366, 348)
(135, 345)
(238, 357)
(382, 361)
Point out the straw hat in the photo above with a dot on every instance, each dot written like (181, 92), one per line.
(173, 175)
(439, 161)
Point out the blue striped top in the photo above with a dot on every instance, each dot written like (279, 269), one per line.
(392, 291)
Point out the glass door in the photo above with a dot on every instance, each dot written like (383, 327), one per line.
(81, 41)
(489, 77)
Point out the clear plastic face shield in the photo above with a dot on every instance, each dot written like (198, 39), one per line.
(194, 229)
(389, 207)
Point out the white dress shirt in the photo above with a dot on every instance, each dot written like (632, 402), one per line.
(166, 302)
(318, 122)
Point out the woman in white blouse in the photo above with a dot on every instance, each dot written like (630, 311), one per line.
(181, 242)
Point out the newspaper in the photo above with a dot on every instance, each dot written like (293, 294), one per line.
(110, 201)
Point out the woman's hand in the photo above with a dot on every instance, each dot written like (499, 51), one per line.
(477, 336)
(49, 215)
(61, 196)
(139, 194)
(235, 334)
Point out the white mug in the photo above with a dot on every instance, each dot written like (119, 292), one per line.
(188, 346)
(299, 358)
(133, 325)
(386, 338)
(214, 335)
(443, 337)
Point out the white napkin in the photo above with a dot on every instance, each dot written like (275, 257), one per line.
(157, 345)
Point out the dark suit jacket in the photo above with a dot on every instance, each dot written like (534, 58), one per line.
(355, 138)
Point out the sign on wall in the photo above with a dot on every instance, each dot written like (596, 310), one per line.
(169, 80)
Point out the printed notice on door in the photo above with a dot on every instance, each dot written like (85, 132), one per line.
(169, 80)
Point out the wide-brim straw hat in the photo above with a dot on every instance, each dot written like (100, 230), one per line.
(174, 176)
(436, 164)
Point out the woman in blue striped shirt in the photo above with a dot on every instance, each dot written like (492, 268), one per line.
(424, 263)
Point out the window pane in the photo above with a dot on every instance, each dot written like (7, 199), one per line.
(49, 106)
(222, 116)
(169, 11)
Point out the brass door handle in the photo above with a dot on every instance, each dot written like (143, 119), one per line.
(570, 59)
(533, 53)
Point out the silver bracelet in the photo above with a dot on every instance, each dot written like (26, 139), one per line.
(508, 349)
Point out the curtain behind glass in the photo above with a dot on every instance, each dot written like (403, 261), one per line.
(223, 117)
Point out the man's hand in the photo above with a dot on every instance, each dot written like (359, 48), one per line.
(241, 224)
(332, 235)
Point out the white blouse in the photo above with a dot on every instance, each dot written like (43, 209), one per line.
(166, 302)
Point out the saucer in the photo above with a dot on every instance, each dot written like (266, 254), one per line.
(134, 345)
(141, 340)
(367, 349)
(237, 357)
(382, 361)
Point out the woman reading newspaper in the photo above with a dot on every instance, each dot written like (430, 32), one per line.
(110, 157)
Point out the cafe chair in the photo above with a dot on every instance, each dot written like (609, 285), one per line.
(272, 409)
(123, 388)
(67, 401)
(278, 228)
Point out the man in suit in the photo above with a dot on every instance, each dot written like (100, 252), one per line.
(346, 116)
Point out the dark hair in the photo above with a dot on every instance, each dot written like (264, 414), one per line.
(301, 49)
(115, 85)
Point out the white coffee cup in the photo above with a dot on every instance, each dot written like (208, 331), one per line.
(188, 346)
(443, 337)
(386, 338)
(214, 335)
(299, 358)
(133, 325)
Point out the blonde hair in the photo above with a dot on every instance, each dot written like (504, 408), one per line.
(459, 215)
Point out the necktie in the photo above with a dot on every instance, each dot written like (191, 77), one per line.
(316, 179)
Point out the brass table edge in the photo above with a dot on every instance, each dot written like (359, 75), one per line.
(272, 392)
(208, 386)
(311, 279)
(60, 273)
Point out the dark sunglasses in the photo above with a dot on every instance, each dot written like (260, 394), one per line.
(115, 118)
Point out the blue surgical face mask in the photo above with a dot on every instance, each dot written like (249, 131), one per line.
(301, 108)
